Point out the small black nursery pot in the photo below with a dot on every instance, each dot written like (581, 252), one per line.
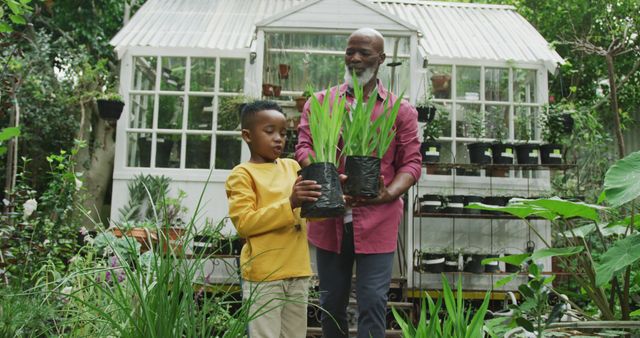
(454, 204)
(551, 154)
(493, 266)
(426, 113)
(363, 176)
(473, 263)
(330, 203)
(468, 199)
(430, 151)
(432, 262)
(480, 152)
(527, 153)
(502, 153)
(430, 203)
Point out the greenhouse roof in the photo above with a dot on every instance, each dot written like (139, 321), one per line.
(449, 30)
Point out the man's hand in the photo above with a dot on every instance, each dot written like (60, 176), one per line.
(384, 195)
(304, 191)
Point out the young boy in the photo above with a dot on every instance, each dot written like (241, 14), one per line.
(264, 198)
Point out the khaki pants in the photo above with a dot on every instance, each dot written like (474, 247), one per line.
(280, 307)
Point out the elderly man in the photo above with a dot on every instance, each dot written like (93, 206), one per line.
(367, 235)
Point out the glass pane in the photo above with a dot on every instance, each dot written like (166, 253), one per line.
(141, 111)
(203, 74)
(138, 149)
(228, 149)
(170, 112)
(306, 41)
(401, 76)
(173, 73)
(440, 81)
(198, 151)
(229, 112)
(144, 73)
(496, 86)
(168, 151)
(526, 123)
(497, 122)
(200, 112)
(232, 75)
(524, 85)
(470, 121)
(468, 83)
(320, 70)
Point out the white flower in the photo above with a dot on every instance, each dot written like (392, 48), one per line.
(29, 207)
(6, 202)
(78, 184)
(46, 241)
(67, 290)
(83, 230)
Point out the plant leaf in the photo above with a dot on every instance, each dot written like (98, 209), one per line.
(7, 133)
(567, 209)
(554, 252)
(622, 180)
(622, 254)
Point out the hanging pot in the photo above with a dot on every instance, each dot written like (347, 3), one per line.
(277, 90)
(430, 151)
(528, 153)
(502, 153)
(300, 101)
(551, 154)
(363, 176)
(331, 202)
(110, 109)
(283, 71)
(480, 152)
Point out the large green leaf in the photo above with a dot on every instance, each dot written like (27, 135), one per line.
(622, 180)
(606, 229)
(567, 209)
(516, 209)
(554, 252)
(622, 254)
(7, 133)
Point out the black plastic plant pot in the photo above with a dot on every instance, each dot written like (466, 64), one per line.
(432, 262)
(494, 200)
(480, 152)
(430, 203)
(363, 176)
(330, 203)
(508, 267)
(451, 263)
(426, 113)
(473, 263)
(551, 154)
(502, 153)
(567, 123)
(492, 267)
(528, 153)
(454, 204)
(110, 109)
(468, 199)
(430, 151)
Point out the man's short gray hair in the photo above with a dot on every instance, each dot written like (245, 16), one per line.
(367, 31)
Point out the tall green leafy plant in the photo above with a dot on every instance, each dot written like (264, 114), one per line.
(325, 124)
(363, 136)
(458, 321)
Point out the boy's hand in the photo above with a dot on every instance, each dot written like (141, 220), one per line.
(304, 191)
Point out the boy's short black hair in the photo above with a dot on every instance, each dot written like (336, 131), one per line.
(249, 111)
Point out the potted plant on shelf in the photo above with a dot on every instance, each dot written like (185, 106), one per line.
(432, 262)
(430, 147)
(430, 203)
(553, 132)
(479, 152)
(110, 105)
(302, 99)
(451, 260)
(502, 153)
(526, 153)
(325, 124)
(366, 140)
(473, 261)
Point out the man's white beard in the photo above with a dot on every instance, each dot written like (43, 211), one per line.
(363, 78)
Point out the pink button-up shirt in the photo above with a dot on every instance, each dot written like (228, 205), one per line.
(375, 227)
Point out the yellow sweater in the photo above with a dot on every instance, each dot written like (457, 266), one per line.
(259, 207)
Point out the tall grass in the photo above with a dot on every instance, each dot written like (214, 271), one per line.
(325, 124)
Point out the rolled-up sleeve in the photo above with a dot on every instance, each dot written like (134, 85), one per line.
(407, 158)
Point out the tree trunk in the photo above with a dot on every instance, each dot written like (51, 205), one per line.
(96, 162)
(614, 104)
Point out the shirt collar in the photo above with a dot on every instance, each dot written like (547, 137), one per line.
(382, 91)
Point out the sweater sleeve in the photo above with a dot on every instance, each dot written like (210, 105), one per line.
(248, 219)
